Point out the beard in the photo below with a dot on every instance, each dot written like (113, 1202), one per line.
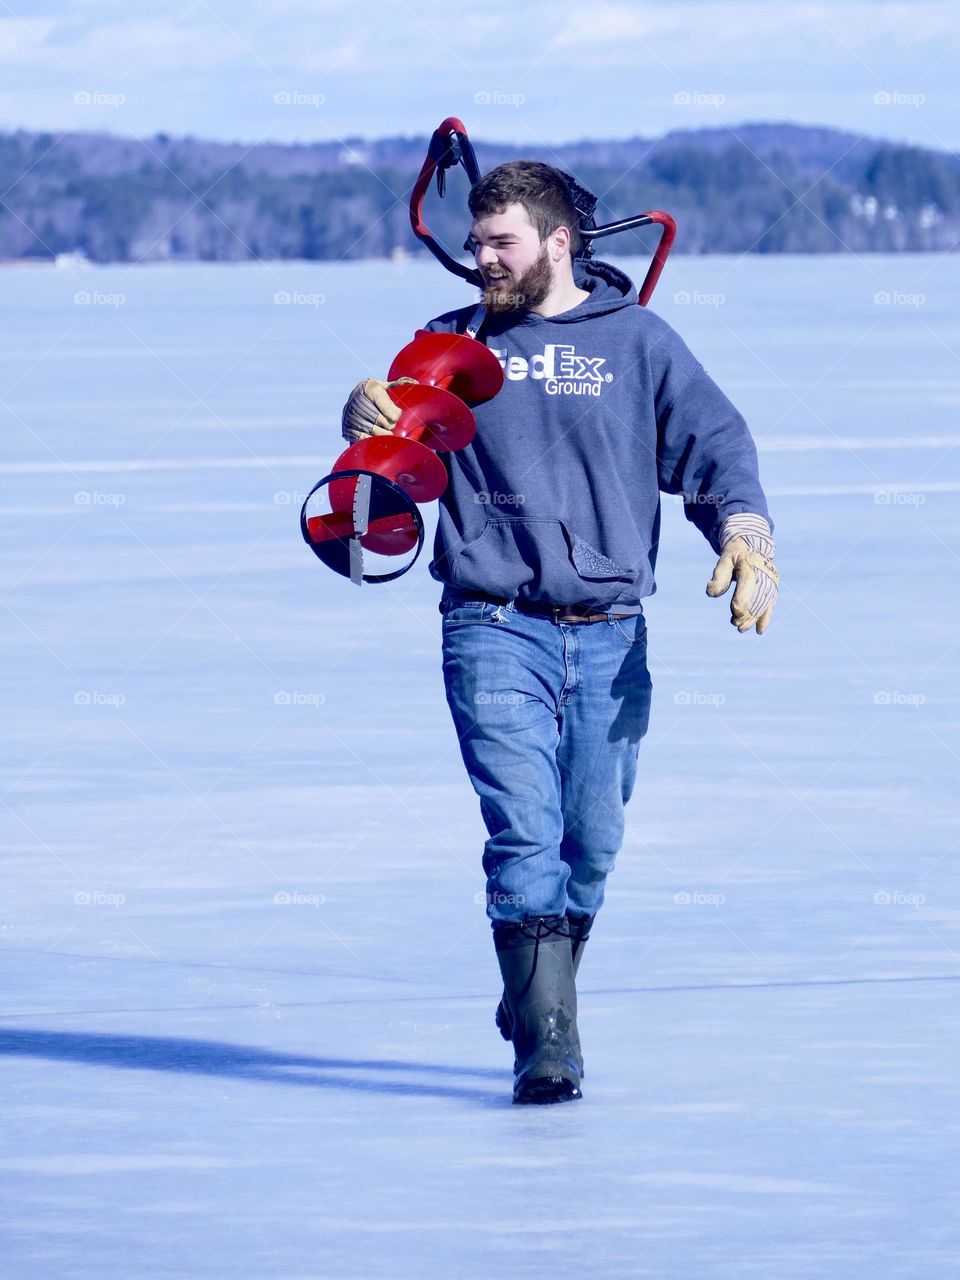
(522, 293)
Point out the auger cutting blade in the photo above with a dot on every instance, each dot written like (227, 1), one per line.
(362, 541)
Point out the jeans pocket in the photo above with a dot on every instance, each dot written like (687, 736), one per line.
(633, 630)
(455, 614)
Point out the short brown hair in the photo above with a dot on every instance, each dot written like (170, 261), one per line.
(540, 188)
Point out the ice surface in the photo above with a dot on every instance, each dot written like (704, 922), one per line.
(248, 1020)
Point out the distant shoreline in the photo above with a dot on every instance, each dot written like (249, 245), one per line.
(754, 189)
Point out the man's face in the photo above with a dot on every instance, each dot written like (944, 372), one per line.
(515, 264)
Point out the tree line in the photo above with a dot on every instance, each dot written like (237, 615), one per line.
(759, 189)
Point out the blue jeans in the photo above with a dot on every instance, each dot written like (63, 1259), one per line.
(549, 717)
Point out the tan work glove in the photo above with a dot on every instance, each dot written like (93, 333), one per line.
(747, 559)
(369, 411)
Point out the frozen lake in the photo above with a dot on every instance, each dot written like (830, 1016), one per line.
(235, 816)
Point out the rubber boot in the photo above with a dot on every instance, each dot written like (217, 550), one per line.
(579, 932)
(537, 968)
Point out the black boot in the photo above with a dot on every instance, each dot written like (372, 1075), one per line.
(579, 933)
(537, 967)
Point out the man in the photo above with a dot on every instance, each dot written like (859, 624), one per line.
(546, 545)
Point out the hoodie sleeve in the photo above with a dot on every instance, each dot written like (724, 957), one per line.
(704, 448)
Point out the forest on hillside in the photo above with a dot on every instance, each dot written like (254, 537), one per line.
(759, 188)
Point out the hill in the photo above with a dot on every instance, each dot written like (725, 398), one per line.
(759, 187)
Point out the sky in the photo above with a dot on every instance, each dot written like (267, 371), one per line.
(306, 70)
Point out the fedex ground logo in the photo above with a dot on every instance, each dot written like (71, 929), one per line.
(561, 370)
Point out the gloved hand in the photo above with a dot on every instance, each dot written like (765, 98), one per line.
(747, 559)
(369, 411)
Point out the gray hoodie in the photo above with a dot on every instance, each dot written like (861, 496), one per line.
(557, 499)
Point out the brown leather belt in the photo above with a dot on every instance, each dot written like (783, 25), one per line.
(558, 612)
(591, 617)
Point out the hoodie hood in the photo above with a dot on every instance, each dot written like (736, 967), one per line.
(609, 289)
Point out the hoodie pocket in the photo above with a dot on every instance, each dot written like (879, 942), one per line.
(539, 558)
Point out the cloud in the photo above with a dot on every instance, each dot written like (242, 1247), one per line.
(703, 27)
(212, 67)
(22, 43)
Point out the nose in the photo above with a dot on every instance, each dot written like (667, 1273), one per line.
(486, 256)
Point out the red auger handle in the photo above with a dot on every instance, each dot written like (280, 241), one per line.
(427, 170)
(667, 237)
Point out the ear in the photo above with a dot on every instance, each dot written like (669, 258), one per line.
(559, 243)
